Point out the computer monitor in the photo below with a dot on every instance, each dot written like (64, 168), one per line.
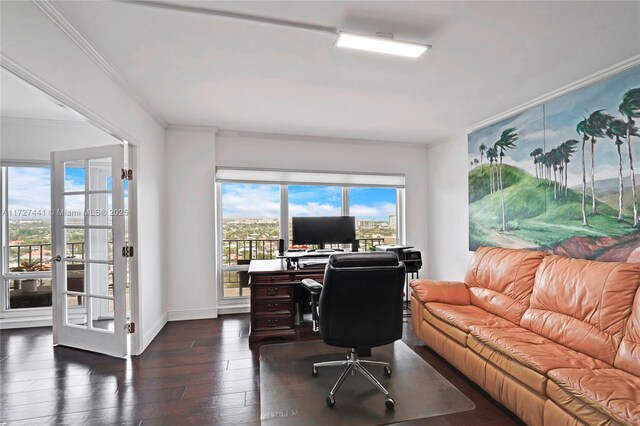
(324, 230)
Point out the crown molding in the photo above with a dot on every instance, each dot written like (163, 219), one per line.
(44, 121)
(74, 35)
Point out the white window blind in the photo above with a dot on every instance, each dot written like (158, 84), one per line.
(287, 177)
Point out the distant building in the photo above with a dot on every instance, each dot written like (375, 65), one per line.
(393, 220)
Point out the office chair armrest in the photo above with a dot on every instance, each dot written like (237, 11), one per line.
(315, 288)
(312, 285)
(451, 292)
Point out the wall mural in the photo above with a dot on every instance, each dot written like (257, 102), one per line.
(562, 176)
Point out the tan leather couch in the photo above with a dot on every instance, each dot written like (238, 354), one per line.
(554, 339)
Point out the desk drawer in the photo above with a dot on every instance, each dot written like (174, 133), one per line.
(299, 277)
(272, 309)
(272, 292)
(280, 323)
(270, 279)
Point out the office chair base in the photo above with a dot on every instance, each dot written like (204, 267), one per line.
(355, 365)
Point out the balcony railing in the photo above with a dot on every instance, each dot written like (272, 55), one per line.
(41, 252)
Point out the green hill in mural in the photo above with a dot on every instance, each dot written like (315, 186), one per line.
(534, 218)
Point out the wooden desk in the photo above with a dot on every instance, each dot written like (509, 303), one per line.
(274, 293)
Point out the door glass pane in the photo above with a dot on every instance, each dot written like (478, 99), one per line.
(74, 176)
(75, 276)
(102, 316)
(100, 174)
(250, 230)
(74, 243)
(313, 200)
(74, 209)
(75, 311)
(101, 244)
(100, 206)
(375, 211)
(100, 278)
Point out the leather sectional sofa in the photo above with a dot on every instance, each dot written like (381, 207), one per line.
(554, 339)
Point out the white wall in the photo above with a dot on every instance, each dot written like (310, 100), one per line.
(34, 140)
(190, 190)
(44, 54)
(190, 230)
(448, 228)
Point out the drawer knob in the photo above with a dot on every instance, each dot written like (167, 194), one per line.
(272, 291)
(272, 323)
(272, 308)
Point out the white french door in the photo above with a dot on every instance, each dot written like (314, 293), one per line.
(88, 231)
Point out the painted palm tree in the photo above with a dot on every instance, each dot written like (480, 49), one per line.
(618, 129)
(630, 108)
(506, 141)
(535, 154)
(581, 128)
(492, 155)
(555, 159)
(482, 149)
(597, 123)
(568, 148)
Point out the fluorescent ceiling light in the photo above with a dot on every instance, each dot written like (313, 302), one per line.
(385, 45)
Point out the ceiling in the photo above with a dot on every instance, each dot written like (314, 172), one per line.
(487, 57)
(19, 99)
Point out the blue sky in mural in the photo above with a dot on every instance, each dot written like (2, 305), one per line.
(560, 117)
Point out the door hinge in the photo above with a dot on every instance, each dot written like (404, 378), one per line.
(127, 174)
(130, 328)
(127, 251)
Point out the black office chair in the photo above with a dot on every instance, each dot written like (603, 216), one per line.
(359, 306)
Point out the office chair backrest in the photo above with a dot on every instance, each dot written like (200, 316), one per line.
(361, 300)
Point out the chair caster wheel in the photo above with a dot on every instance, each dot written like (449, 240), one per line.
(389, 403)
(331, 401)
(314, 371)
(387, 371)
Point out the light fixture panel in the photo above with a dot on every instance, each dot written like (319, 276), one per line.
(383, 45)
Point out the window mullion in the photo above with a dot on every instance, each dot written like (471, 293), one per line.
(284, 214)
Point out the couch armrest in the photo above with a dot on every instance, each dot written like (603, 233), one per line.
(452, 292)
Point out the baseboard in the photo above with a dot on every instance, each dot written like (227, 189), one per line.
(193, 314)
(153, 332)
(234, 309)
(25, 322)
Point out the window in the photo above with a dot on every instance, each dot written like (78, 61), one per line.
(313, 200)
(256, 207)
(250, 230)
(26, 274)
(376, 212)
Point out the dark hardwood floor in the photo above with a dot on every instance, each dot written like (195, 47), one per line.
(194, 372)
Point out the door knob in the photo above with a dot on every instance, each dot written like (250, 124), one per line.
(57, 258)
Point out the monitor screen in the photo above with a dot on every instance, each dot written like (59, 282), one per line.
(323, 230)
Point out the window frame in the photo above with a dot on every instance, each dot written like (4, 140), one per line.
(284, 219)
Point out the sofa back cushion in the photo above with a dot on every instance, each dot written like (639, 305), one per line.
(500, 280)
(582, 304)
(628, 357)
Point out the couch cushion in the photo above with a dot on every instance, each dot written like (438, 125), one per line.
(611, 391)
(532, 350)
(628, 356)
(500, 280)
(464, 316)
(582, 304)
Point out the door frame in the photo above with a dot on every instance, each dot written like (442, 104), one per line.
(137, 338)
